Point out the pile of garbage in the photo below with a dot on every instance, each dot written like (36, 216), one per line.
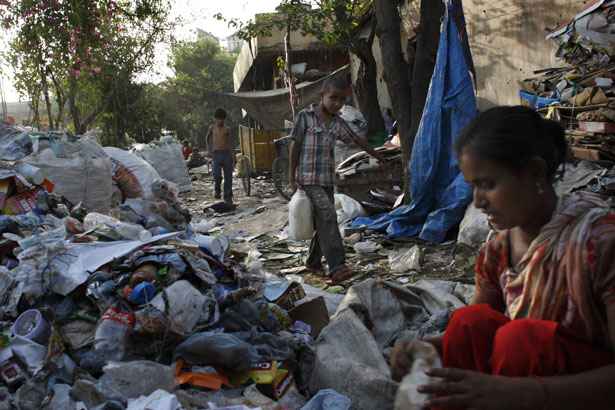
(132, 305)
(581, 94)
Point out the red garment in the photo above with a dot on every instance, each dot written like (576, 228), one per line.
(482, 339)
(186, 151)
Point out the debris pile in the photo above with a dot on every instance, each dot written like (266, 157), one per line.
(133, 305)
(582, 93)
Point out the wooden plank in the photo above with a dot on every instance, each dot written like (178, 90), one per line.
(597, 127)
(586, 153)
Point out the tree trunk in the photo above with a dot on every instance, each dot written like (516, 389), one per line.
(428, 38)
(74, 110)
(366, 86)
(366, 90)
(60, 99)
(45, 87)
(395, 73)
(289, 72)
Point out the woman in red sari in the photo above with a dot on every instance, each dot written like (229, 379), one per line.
(540, 332)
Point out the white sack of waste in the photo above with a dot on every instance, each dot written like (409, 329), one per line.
(80, 170)
(167, 158)
(141, 169)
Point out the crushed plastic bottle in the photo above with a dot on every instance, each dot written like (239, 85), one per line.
(113, 331)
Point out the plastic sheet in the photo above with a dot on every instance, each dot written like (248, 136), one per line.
(438, 191)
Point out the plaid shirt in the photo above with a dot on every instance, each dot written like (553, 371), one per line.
(317, 159)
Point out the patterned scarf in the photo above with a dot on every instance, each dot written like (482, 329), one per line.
(555, 275)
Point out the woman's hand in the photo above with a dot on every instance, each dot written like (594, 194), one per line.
(463, 389)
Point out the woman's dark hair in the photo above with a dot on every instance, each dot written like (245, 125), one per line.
(512, 136)
(220, 114)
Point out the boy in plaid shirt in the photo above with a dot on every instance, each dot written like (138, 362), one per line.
(312, 168)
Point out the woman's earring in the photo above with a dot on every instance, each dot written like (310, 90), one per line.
(539, 188)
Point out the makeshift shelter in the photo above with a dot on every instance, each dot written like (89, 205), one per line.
(438, 191)
(270, 108)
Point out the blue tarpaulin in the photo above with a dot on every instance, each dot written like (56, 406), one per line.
(438, 191)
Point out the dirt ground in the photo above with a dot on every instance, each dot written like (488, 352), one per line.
(258, 224)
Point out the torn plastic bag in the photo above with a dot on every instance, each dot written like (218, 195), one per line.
(7, 290)
(474, 227)
(405, 260)
(366, 247)
(15, 143)
(437, 295)
(351, 208)
(183, 304)
(246, 315)
(158, 400)
(218, 349)
(200, 267)
(37, 261)
(269, 346)
(126, 231)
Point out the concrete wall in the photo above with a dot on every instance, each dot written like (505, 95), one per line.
(508, 42)
(275, 42)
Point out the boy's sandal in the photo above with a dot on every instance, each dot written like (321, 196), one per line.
(340, 275)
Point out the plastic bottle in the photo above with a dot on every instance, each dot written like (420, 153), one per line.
(113, 331)
(125, 230)
(300, 222)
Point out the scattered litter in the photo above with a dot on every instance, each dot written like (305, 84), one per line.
(366, 247)
(405, 260)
